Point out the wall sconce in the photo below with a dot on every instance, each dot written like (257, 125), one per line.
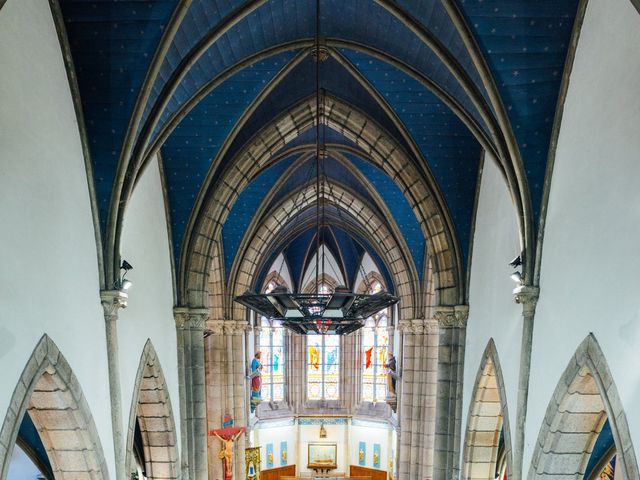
(123, 283)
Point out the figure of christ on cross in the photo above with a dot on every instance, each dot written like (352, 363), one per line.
(227, 436)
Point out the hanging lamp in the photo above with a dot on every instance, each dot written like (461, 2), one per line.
(339, 313)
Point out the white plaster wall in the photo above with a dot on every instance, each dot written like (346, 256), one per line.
(589, 275)
(49, 275)
(331, 268)
(149, 315)
(370, 435)
(337, 434)
(492, 311)
(275, 435)
(280, 266)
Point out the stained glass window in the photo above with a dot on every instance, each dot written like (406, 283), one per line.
(323, 367)
(271, 344)
(375, 342)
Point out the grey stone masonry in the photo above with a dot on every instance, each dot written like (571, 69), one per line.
(452, 327)
(193, 416)
(226, 387)
(417, 393)
(112, 302)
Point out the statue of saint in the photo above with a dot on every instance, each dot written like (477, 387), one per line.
(256, 381)
(392, 375)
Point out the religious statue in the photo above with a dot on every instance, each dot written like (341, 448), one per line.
(392, 374)
(256, 381)
(392, 377)
(227, 436)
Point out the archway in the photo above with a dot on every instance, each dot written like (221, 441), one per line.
(487, 448)
(49, 392)
(585, 398)
(151, 422)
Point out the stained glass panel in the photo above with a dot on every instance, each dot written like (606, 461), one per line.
(271, 344)
(375, 341)
(323, 367)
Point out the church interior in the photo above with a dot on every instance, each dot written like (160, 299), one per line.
(283, 239)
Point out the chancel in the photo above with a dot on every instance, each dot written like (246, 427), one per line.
(333, 239)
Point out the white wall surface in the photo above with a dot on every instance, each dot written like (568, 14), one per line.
(49, 275)
(589, 275)
(492, 310)
(275, 435)
(149, 315)
(337, 434)
(370, 435)
(331, 268)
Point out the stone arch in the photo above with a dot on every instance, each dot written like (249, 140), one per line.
(381, 149)
(151, 409)
(255, 246)
(487, 420)
(275, 277)
(49, 392)
(325, 278)
(585, 397)
(369, 279)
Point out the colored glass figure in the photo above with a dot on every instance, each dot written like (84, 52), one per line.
(323, 367)
(375, 341)
(256, 381)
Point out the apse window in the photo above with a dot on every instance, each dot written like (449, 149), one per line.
(271, 344)
(375, 343)
(323, 367)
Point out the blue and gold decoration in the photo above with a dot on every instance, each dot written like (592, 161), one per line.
(362, 453)
(283, 454)
(376, 455)
(269, 455)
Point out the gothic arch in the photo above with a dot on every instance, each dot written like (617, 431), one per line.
(151, 408)
(49, 392)
(254, 246)
(487, 420)
(382, 150)
(585, 397)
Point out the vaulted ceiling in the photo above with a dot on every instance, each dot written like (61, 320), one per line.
(198, 81)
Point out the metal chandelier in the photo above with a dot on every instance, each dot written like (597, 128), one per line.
(341, 312)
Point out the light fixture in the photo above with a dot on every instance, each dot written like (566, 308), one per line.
(517, 277)
(123, 283)
(340, 312)
(516, 262)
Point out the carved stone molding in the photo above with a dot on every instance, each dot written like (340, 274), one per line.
(454, 316)
(112, 301)
(527, 297)
(190, 318)
(227, 327)
(418, 326)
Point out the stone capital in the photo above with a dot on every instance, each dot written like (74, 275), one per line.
(419, 326)
(190, 318)
(112, 301)
(227, 327)
(451, 316)
(527, 297)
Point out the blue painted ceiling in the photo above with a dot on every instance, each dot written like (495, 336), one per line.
(199, 94)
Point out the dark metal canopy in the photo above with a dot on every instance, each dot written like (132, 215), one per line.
(339, 313)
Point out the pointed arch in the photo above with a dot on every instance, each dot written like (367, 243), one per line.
(585, 397)
(487, 421)
(49, 392)
(151, 409)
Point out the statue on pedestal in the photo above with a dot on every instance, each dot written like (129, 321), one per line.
(256, 381)
(392, 377)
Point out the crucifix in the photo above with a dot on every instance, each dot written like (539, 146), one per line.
(228, 437)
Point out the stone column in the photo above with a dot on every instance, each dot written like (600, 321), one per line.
(528, 298)
(112, 301)
(193, 414)
(452, 326)
(417, 388)
(227, 370)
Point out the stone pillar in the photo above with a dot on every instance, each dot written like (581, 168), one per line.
(193, 414)
(452, 326)
(528, 298)
(417, 388)
(227, 387)
(112, 301)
